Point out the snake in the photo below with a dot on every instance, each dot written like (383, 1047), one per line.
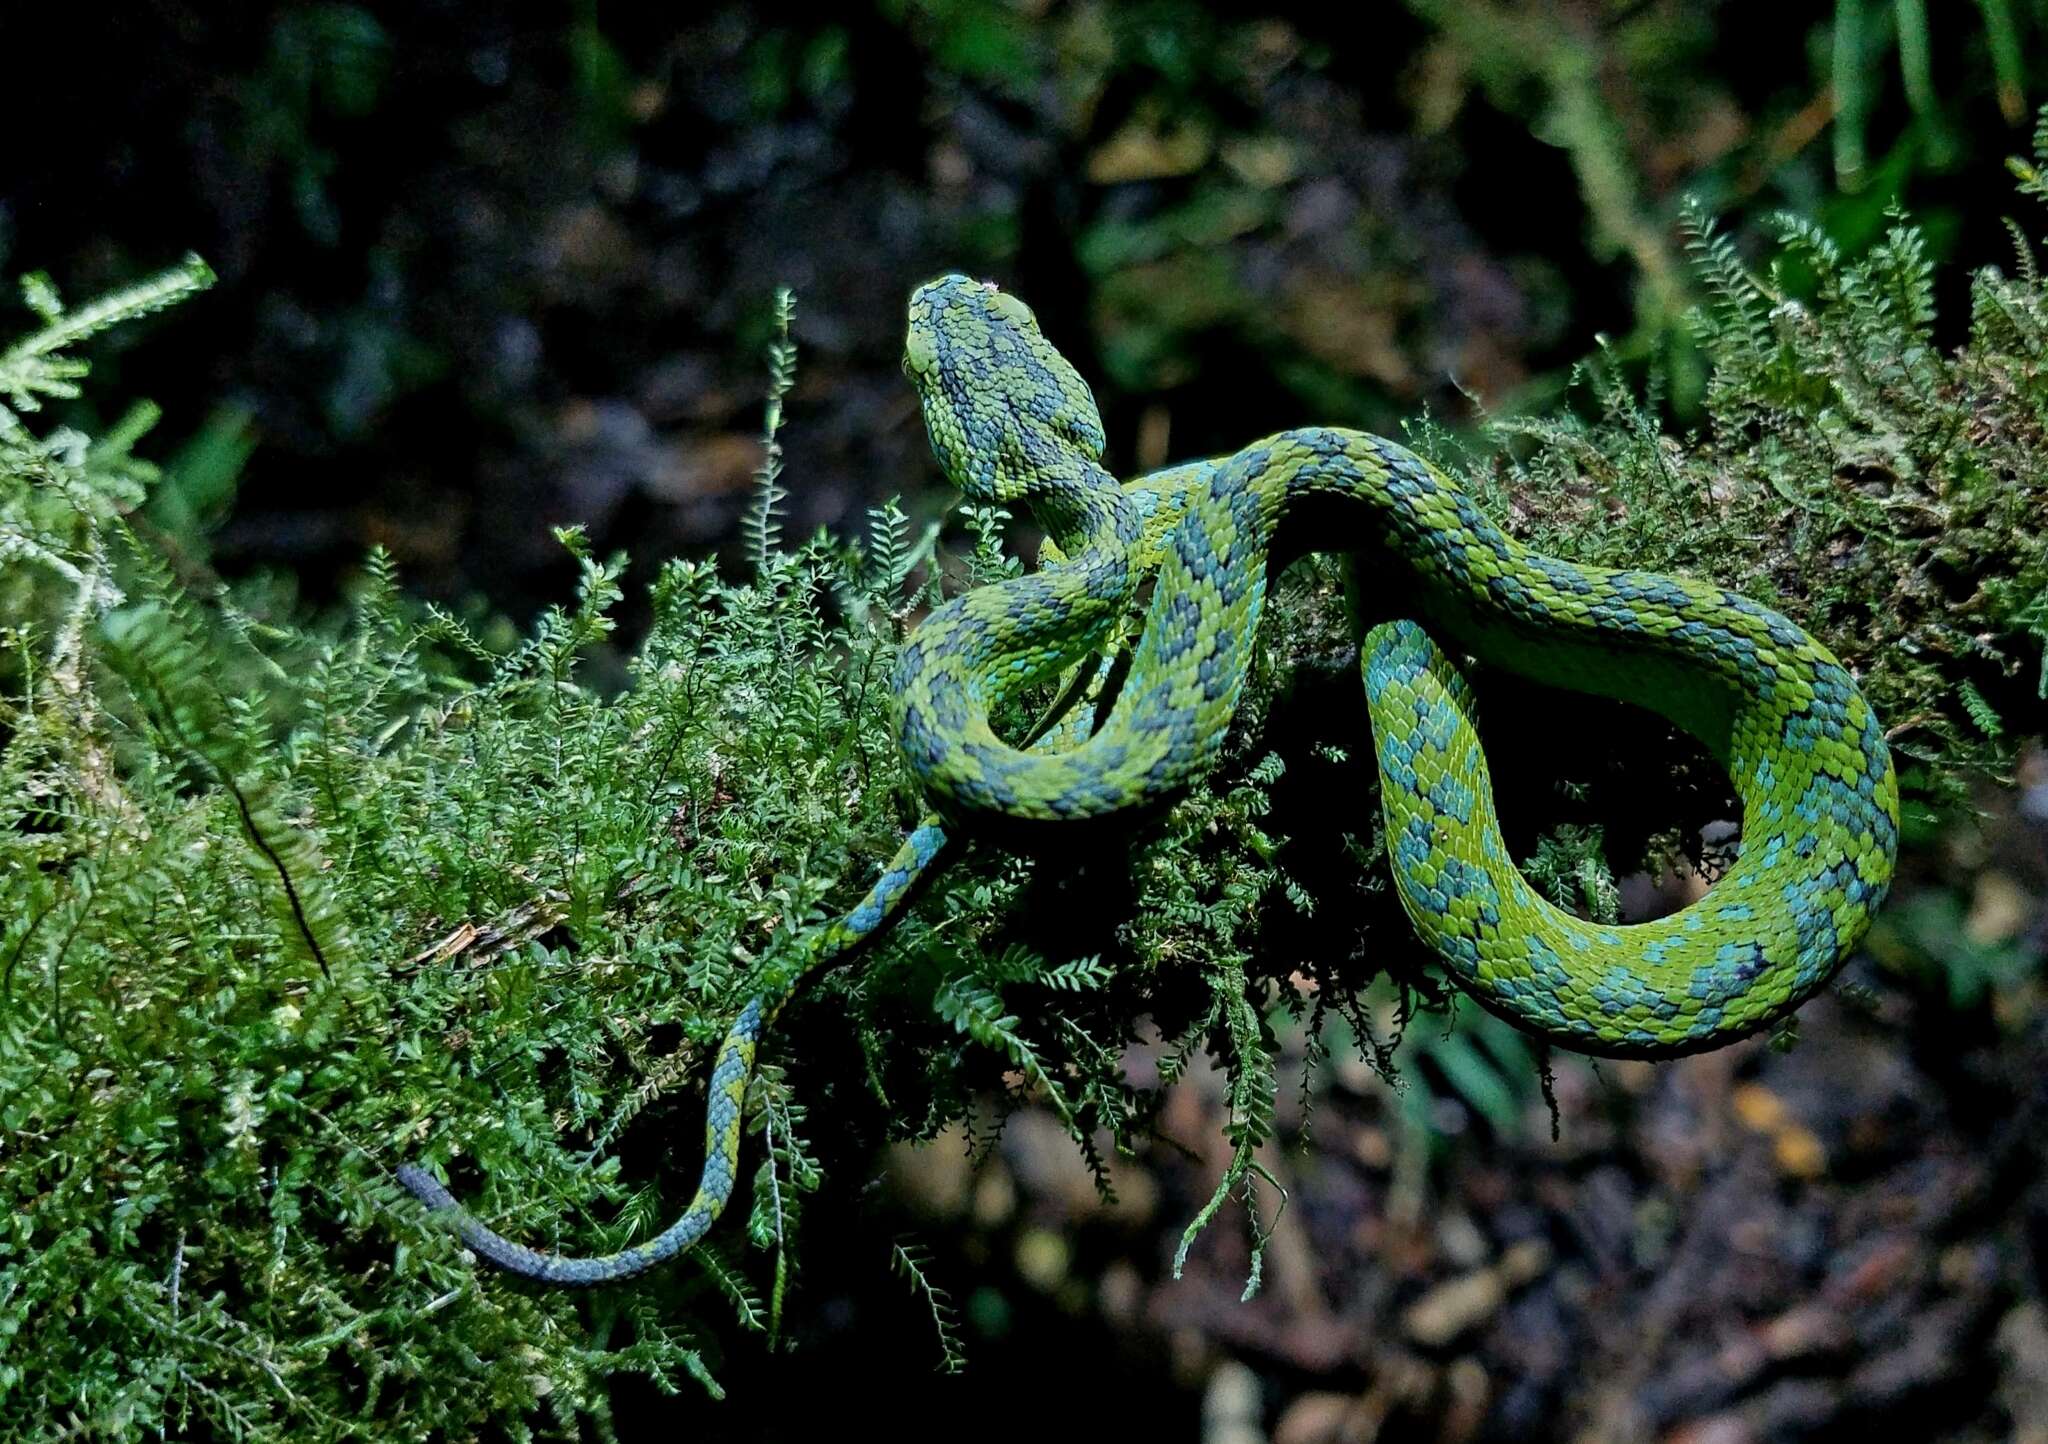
(1013, 423)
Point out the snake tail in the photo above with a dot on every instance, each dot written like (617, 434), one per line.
(724, 1113)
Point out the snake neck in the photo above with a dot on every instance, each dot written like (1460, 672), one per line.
(1081, 507)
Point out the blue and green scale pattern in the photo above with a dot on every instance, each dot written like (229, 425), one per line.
(1012, 422)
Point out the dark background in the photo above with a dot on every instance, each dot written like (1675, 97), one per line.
(481, 274)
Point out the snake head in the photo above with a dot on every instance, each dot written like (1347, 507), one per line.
(1002, 407)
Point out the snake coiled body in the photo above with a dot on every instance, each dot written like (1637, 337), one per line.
(1012, 422)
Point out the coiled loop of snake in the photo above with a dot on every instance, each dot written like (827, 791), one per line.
(1012, 422)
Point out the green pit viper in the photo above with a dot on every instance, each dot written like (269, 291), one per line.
(1013, 422)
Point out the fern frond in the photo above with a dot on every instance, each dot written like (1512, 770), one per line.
(31, 371)
(1980, 710)
(761, 527)
(159, 646)
(1739, 316)
(913, 1263)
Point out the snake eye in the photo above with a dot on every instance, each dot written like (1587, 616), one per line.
(919, 354)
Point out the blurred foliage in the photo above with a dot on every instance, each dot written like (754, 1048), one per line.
(477, 255)
(1861, 35)
(1929, 938)
(323, 62)
(1195, 129)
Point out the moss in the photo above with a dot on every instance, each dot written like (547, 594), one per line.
(1890, 495)
(284, 903)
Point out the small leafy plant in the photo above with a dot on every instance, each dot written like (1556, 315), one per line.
(283, 902)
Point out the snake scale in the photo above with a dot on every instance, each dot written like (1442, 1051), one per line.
(1012, 422)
